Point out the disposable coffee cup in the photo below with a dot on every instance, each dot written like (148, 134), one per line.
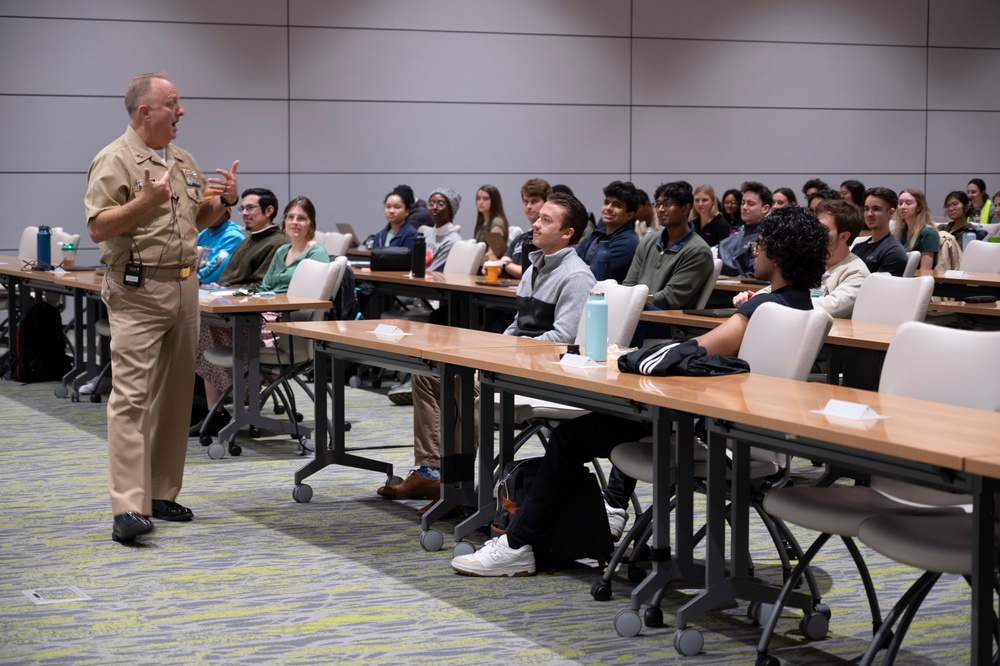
(492, 271)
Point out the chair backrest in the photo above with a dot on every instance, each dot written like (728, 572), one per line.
(981, 257)
(887, 299)
(706, 289)
(784, 342)
(513, 231)
(944, 365)
(625, 305)
(311, 279)
(336, 243)
(465, 257)
(912, 261)
(319, 236)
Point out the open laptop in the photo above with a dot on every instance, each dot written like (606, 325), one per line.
(348, 229)
(496, 242)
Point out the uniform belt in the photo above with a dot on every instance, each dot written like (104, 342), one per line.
(163, 272)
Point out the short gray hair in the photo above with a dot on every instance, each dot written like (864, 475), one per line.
(139, 89)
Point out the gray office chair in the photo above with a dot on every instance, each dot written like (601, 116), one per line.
(960, 378)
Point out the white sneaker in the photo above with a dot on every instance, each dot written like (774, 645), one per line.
(496, 558)
(616, 521)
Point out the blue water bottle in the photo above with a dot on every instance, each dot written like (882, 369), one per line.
(44, 253)
(596, 342)
(602, 262)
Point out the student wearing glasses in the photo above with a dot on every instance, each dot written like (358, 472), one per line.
(250, 259)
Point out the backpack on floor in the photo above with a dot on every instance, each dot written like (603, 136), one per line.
(580, 528)
(40, 346)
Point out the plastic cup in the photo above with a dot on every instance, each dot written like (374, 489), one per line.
(69, 254)
(492, 271)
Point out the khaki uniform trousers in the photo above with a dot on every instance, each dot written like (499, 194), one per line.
(154, 335)
(427, 420)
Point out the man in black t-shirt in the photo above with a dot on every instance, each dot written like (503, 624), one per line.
(882, 252)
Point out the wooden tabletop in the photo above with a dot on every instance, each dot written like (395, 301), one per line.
(418, 338)
(275, 303)
(970, 309)
(843, 333)
(978, 279)
(439, 280)
(737, 285)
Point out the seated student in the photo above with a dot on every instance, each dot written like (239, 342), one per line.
(845, 272)
(982, 211)
(853, 191)
(550, 302)
(784, 196)
(812, 185)
(731, 202)
(674, 263)
(816, 197)
(417, 214)
(708, 221)
(957, 208)
(216, 244)
(300, 225)
(915, 228)
(490, 216)
(615, 231)
(882, 253)
(737, 259)
(443, 205)
(791, 252)
(252, 257)
(534, 193)
(645, 216)
(397, 232)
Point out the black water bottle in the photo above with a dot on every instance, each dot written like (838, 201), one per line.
(419, 257)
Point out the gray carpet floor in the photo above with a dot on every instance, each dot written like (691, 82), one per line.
(258, 578)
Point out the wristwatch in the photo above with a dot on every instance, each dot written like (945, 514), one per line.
(503, 266)
(225, 203)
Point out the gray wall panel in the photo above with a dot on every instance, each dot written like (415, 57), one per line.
(900, 22)
(962, 142)
(450, 138)
(559, 17)
(455, 67)
(776, 140)
(52, 199)
(964, 79)
(967, 23)
(797, 75)
(260, 12)
(203, 60)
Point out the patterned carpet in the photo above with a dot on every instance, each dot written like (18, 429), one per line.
(258, 578)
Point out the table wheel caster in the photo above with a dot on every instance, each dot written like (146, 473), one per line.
(601, 591)
(216, 451)
(759, 612)
(463, 548)
(302, 493)
(61, 391)
(393, 481)
(688, 641)
(354, 381)
(628, 623)
(235, 449)
(431, 540)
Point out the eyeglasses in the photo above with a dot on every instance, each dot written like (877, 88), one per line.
(295, 218)
(665, 204)
(249, 208)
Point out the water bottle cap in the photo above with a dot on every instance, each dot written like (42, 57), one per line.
(68, 247)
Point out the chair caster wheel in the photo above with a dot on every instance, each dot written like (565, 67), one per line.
(354, 381)
(628, 623)
(636, 574)
(61, 391)
(431, 540)
(653, 617)
(376, 383)
(298, 417)
(759, 612)
(254, 432)
(601, 591)
(767, 660)
(688, 641)
(216, 451)
(463, 548)
(814, 626)
(302, 493)
(95, 398)
(235, 449)
(347, 426)
(205, 440)
(307, 445)
(279, 409)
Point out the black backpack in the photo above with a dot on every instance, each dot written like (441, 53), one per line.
(39, 346)
(580, 528)
(345, 303)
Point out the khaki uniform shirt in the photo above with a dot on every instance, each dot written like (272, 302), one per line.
(168, 236)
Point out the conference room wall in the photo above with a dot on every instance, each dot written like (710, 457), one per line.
(343, 99)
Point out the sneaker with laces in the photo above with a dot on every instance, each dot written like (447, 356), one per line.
(496, 558)
(616, 521)
(401, 394)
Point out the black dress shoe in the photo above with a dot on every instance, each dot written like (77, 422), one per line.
(216, 422)
(129, 525)
(169, 510)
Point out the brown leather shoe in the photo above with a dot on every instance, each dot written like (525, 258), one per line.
(415, 486)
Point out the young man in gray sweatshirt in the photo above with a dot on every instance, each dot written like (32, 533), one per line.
(550, 301)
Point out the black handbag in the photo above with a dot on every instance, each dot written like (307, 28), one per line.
(391, 258)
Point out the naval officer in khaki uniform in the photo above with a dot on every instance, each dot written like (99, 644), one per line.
(145, 205)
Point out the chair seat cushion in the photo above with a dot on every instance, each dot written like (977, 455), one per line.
(932, 543)
(636, 460)
(839, 509)
(220, 356)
